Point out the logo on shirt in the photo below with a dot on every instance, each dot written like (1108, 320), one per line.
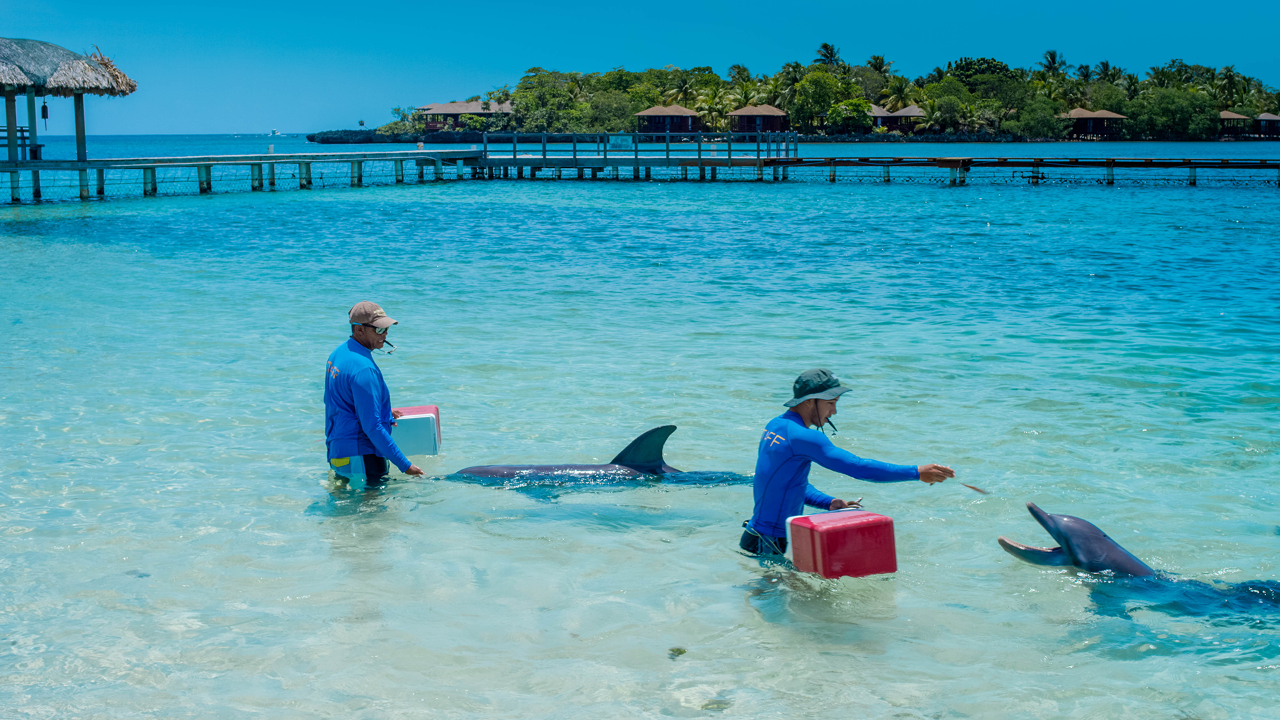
(331, 369)
(773, 438)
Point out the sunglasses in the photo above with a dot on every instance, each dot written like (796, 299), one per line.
(377, 330)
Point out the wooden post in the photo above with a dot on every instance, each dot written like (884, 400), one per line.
(544, 144)
(271, 169)
(728, 153)
(775, 173)
(33, 141)
(684, 173)
(953, 176)
(1191, 177)
(648, 173)
(484, 138)
(304, 176)
(255, 177)
(886, 173)
(759, 168)
(580, 173)
(702, 173)
(784, 173)
(399, 172)
(422, 172)
(11, 123)
(964, 174)
(1111, 172)
(833, 172)
(635, 172)
(357, 173)
(102, 182)
(204, 177)
(713, 172)
(519, 172)
(668, 147)
(82, 153)
(559, 171)
(635, 144)
(574, 140)
(462, 173)
(595, 173)
(439, 170)
(149, 182)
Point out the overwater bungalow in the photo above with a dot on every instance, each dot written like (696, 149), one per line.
(1233, 124)
(905, 119)
(440, 115)
(1267, 125)
(668, 118)
(760, 118)
(1094, 124)
(879, 116)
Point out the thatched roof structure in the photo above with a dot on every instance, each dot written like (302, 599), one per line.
(53, 70)
(877, 111)
(475, 107)
(1082, 114)
(1228, 115)
(1269, 116)
(753, 110)
(908, 111)
(666, 110)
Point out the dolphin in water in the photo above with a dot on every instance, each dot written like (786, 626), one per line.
(642, 457)
(1080, 544)
(1084, 546)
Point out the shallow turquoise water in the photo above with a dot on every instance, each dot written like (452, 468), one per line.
(171, 545)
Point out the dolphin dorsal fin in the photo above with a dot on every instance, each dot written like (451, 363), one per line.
(644, 454)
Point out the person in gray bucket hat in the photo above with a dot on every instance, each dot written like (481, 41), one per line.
(788, 449)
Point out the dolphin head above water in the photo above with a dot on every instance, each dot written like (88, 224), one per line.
(1080, 544)
(642, 457)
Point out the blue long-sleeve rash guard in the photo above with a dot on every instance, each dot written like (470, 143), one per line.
(357, 407)
(782, 488)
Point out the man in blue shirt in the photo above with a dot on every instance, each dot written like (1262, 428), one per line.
(789, 447)
(357, 404)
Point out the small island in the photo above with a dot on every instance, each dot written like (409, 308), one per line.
(831, 100)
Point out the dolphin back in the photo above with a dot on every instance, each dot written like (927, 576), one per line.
(644, 454)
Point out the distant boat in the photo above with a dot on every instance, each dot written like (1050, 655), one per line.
(275, 132)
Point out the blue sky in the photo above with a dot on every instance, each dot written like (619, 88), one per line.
(235, 66)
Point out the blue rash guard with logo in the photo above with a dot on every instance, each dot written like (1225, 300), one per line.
(357, 407)
(782, 486)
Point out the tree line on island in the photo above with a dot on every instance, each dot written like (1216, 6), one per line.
(829, 96)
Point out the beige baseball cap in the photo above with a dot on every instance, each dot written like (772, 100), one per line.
(368, 313)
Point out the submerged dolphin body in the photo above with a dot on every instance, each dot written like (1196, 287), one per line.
(642, 457)
(1080, 544)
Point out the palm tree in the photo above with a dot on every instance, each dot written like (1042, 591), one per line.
(828, 55)
(711, 107)
(1107, 73)
(932, 117)
(681, 90)
(747, 93)
(1053, 63)
(739, 74)
(899, 93)
(578, 91)
(880, 65)
(1132, 85)
(1085, 73)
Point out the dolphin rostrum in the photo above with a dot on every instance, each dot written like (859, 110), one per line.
(1080, 544)
(642, 457)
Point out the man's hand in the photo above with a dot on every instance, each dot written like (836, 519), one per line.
(935, 473)
(397, 414)
(414, 470)
(839, 504)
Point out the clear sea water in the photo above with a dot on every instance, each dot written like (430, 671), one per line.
(172, 546)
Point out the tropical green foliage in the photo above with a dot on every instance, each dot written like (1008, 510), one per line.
(849, 116)
(1175, 100)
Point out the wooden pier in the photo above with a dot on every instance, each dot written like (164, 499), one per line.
(677, 156)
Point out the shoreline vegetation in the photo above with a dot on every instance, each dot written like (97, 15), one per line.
(830, 100)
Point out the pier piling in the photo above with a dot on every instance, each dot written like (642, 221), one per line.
(149, 188)
(255, 178)
(399, 168)
(304, 176)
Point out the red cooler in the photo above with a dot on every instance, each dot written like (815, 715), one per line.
(842, 543)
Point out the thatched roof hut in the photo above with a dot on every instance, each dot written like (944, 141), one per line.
(52, 70)
(759, 118)
(667, 118)
(36, 68)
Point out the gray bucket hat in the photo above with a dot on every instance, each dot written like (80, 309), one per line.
(816, 383)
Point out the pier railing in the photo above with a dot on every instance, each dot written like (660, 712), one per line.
(661, 156)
